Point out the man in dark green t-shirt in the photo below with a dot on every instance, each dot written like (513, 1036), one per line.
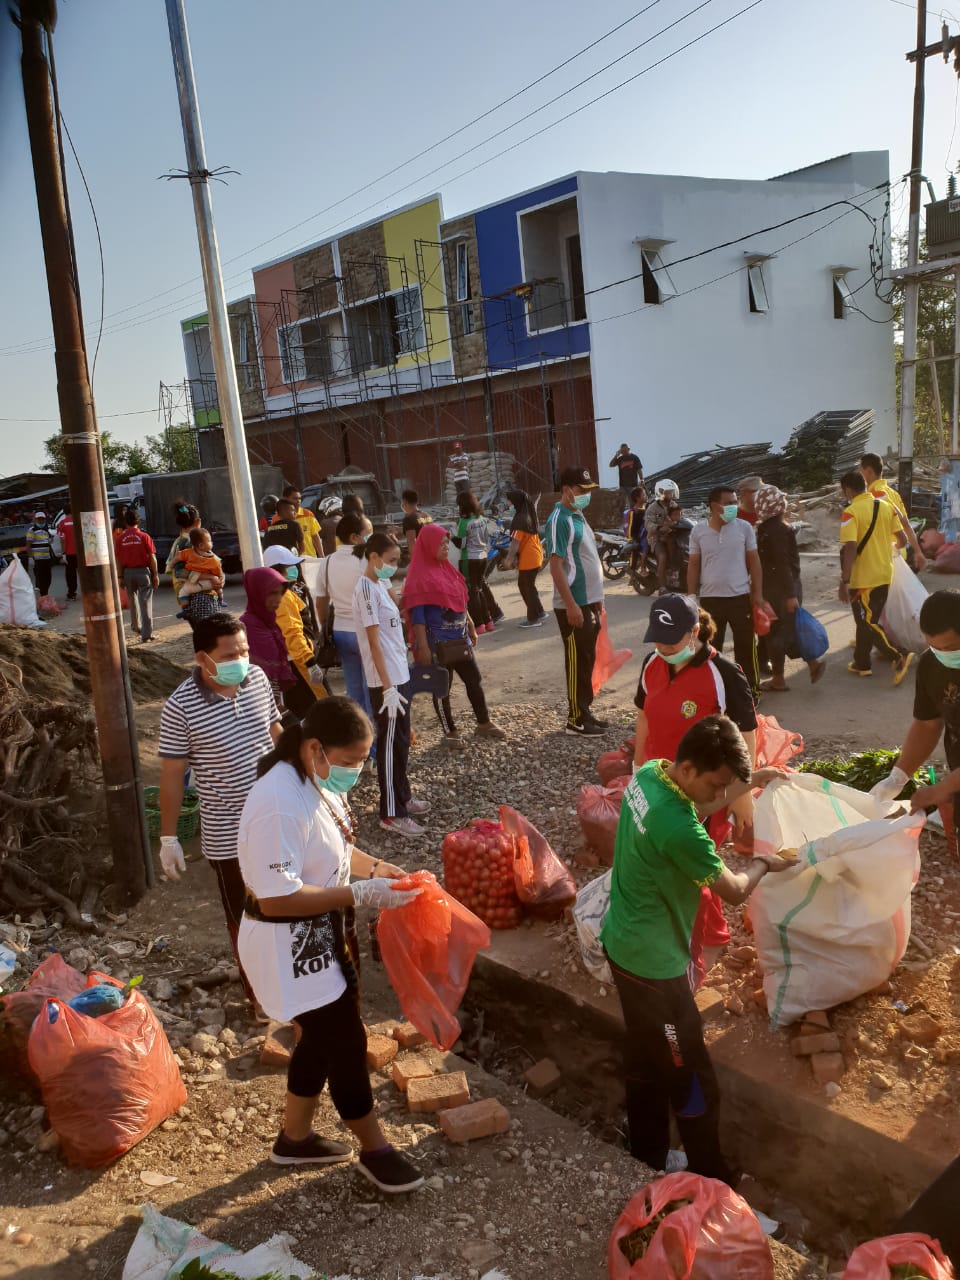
(663, 858)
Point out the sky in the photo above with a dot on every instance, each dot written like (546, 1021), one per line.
(311, 100)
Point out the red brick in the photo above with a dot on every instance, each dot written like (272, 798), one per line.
(709, 1002)
(406, 1069)
(543, 1077)
(827, 1067)
(380, 1051)
(825, 1042)
(279, 1043)
(407, 1036)
(813, 1023)
(438, 1093)
(760, 999)
(476, 1120)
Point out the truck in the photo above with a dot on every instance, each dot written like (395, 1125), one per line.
(209, 491)
(364, 484)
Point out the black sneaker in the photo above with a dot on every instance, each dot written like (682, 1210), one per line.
(601, 724)
(585, 728)
(390, 1171)
(311, 1150)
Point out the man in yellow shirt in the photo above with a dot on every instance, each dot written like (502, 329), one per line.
(868, 526)
(308, 522)
(871, 468)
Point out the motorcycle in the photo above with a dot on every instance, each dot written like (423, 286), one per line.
(614, 551)
(619, 556)
(500, 544)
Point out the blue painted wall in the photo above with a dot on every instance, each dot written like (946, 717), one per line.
(498, 249)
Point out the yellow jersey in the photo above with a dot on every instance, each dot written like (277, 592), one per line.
(873, 566)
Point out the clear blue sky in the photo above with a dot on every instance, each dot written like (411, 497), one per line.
(312, 99)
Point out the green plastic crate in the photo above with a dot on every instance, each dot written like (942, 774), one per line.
(187, 824)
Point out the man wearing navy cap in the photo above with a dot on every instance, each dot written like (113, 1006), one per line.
(577, 594)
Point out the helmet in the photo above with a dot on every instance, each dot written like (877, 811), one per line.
(331, 506)
(268, 503)
(667, 489)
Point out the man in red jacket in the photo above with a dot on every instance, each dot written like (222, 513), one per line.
(68, 541)
(137, 561)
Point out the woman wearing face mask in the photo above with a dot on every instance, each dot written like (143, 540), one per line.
(383, 649)
(336, 582)
(268, 650)
(682, 681)
(298, 940)
(473, 542)
(297, 623)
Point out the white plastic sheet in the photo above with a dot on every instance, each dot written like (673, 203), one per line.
(18, 603)
(163, 1247)
(310, 568)
(589, 913)
(838, 924)
(900, 618)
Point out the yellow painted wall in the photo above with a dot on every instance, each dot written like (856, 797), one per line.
(400, 232)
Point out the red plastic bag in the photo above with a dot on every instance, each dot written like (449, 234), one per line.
(544, 884)
(716, 1237)
(614, 764)
(776, 746)
(763, 619)
(478, 871)
(598, 809)
(47, 607)
(428, 948)
(18, 1010)
(947, 559)
(873, 1260)
(608, 660)
(931, 540)
(124, 598)
(106, 1082)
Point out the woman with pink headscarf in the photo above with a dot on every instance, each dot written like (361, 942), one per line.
(435, 600)
(268, 649)
(782, 588)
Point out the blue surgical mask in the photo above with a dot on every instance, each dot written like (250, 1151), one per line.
(230, 673)
(949, 657)
(729, 513)
(291, 573)
(340, 779)
(682, 655)
(385, 572)
(581, 500)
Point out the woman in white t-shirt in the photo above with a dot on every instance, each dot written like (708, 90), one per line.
(297, 939)
(337, 578)
(383, 650)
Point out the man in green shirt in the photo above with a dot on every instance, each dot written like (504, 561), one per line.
(663, 858)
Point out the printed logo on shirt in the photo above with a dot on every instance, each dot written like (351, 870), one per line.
(639, 804)
(311, 946)
(688, 709)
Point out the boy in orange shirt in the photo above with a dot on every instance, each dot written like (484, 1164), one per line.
(204, 569)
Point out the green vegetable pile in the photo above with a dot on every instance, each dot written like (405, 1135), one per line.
(197, 1270)
(635, 1245)
(864, 769)
(908, 1271)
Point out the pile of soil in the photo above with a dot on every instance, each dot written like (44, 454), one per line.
(56, 668)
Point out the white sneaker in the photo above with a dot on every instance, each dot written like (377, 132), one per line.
(402, 826)
(416, 807)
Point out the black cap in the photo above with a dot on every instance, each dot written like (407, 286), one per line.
(671, 618)
(578, 476)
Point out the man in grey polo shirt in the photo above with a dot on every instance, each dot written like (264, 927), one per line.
(724, 571)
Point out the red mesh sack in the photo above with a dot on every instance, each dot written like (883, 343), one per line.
(598, 809)
(713, 1237)
(54, 977)
(106, 1082)
(608, 660)
(776, 746)
(873, 1260)
(614, 764)
(544, 884)
(428, 948)
(478, 871)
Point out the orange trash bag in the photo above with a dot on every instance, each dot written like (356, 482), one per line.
(710, 1234)
(106, 1082)
(544, 883)
(776, 746)
(608, 660)
(18, 1009)
(874, 1260)
(428, 948)
(615, 764)
(598, 809)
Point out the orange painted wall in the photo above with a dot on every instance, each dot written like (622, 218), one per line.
(268, 283)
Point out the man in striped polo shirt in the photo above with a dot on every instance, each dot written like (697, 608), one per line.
(218, 723)
(577, 594)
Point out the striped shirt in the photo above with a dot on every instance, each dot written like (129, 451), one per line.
(222, 739)
(570, 537)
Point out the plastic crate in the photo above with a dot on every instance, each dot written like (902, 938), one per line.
(187, 824)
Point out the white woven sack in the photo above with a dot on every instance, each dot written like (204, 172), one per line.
(589, 913)
(18, 604)
(837, 925)
(900, 617)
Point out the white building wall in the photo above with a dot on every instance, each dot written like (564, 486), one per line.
(700, 369)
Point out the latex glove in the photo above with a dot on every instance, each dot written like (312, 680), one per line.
(171, 857)
(380, 893)
(891, 786)
(315, 675)
(393, 702)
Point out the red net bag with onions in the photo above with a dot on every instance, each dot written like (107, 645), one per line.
(478, 870)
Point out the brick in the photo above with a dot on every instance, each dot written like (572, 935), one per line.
(406, 1069)
(710, 1003)
(813, 1023)
(475, 1120)
(825, 1042)
(543, 1077)
(760, 999)
(380, 1051)
(438, 1093)
(279, 1044)
(921, 1028)
(407, 1036)
(828, 1068)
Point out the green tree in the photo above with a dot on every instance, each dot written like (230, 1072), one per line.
(175, 450)
(115, 456)
(935, 323)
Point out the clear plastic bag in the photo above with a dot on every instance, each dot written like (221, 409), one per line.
(544, 883)
(589, 912)
(874, 1260)
(428, 948)
(713, 1236)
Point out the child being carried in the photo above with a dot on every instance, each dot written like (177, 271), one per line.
(204, 570)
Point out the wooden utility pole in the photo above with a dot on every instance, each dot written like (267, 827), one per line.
(112, 702)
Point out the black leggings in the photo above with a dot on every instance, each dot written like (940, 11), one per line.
(527, 583)
(483, 608)
(333, 1050)
(469, 673)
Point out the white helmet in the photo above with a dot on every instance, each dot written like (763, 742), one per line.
(667, 489)
(331, 506)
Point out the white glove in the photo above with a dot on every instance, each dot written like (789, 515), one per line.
(393, 702)
(380, 893)
(315, 675)
(171, 857)
(890, 787)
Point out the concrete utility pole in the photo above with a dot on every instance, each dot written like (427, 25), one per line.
(228, 393)
(103, 621)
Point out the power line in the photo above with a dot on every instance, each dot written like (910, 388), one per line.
(130, 413)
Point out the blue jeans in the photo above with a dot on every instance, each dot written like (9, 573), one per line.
(353, 677)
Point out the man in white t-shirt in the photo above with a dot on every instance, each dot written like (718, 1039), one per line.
(336, 580)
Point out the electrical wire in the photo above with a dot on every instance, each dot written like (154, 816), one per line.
(130, 413)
